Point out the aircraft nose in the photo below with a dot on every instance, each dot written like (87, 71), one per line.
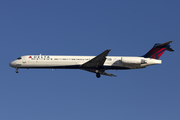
(12, 64)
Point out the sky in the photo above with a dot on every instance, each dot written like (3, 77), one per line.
(89, 27)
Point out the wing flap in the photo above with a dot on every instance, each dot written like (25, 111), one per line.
(102, 72)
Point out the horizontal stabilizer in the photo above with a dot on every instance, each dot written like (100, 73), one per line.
(169, 49)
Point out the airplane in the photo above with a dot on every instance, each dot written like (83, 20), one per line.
(95, 64)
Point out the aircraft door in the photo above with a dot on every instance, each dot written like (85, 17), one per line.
(23, 60)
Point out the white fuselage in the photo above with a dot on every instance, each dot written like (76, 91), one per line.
(75, 62)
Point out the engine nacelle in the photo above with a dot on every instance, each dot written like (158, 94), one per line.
(132, 60)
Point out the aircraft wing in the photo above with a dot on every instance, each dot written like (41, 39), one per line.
(101, 72)
(97, 61)
(97, 64)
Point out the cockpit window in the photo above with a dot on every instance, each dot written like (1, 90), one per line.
(19, 58)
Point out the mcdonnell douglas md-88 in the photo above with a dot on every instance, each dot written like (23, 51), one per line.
(96, 64)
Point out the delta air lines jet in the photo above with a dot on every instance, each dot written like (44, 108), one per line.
(96, 64)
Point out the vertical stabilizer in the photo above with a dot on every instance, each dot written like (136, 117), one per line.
(158, 50)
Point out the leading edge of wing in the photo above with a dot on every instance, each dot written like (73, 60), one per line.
(97, 61)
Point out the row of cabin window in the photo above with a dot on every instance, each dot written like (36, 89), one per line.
(41, 59)
(56, 59)
(69, 59)
(109, 59)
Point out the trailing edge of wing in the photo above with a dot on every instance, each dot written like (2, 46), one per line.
(101, 72)
(97, 61)
(108, 74)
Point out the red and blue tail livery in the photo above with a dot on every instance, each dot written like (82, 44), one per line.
(158, 50)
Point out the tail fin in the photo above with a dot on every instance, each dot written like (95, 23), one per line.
(158, 50)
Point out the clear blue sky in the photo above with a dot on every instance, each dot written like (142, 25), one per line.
(88, 27)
